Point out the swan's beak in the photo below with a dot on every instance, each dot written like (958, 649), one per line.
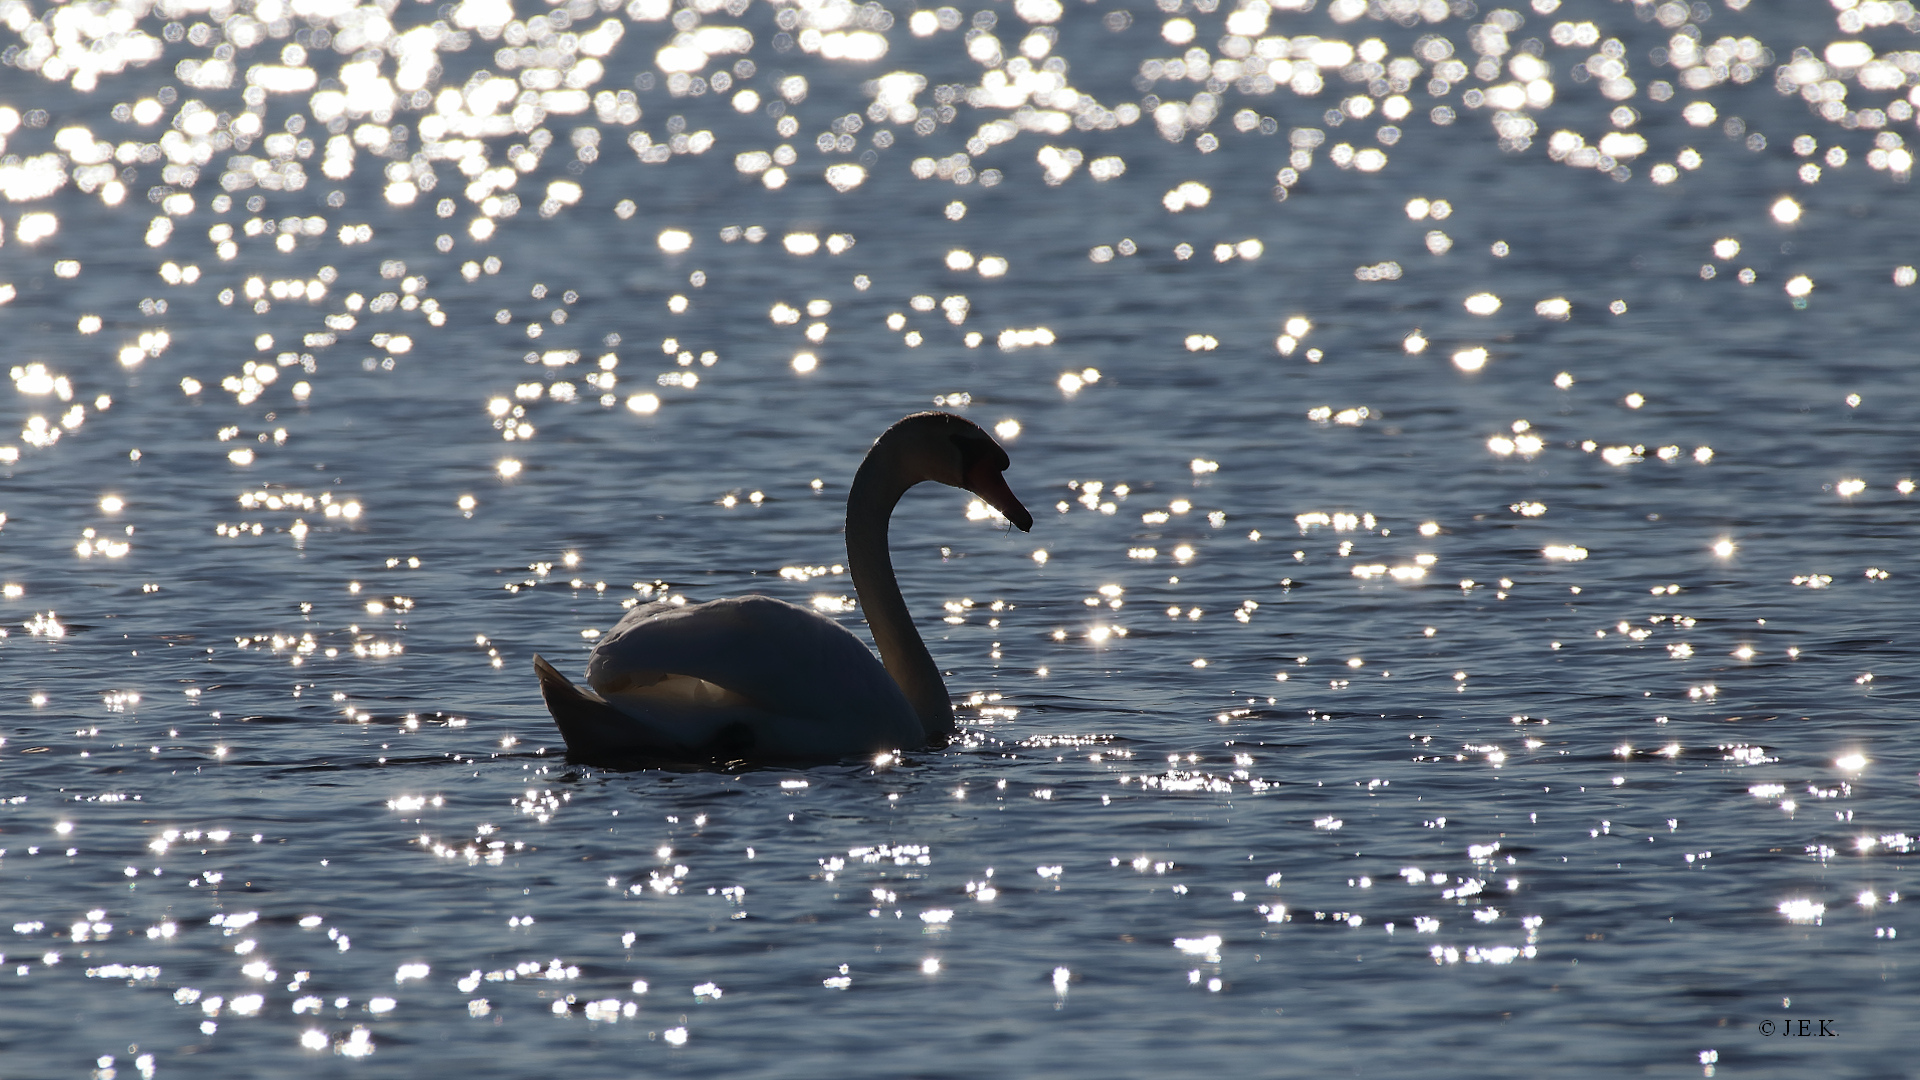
(986, 481)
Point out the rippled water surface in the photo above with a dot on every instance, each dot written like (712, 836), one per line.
(1466, 629)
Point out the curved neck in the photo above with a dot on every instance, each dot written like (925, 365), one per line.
(877, 488)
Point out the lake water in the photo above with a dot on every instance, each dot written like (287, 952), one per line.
(1466, 631)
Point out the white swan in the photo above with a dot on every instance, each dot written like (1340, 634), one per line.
(758, 678)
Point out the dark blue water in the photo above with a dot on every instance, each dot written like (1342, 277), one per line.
(1337, 740)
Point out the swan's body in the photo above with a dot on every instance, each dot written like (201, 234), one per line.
(759, 678)
(749, 676)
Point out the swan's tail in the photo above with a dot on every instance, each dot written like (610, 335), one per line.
(598, 732)
(579, 713)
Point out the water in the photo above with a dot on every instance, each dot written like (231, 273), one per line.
(1504, 756)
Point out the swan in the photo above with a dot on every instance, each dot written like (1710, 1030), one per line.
(757, 678)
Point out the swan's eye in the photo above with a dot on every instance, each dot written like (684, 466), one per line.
(976, 451)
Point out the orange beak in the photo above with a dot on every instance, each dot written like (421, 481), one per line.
(986, 481)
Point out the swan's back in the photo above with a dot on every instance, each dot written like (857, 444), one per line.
(803, 684)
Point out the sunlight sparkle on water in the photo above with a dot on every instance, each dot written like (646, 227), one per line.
(363, 232)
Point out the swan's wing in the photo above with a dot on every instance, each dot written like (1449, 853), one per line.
(759, 652)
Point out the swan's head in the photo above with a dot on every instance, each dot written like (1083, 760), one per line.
(955, 451)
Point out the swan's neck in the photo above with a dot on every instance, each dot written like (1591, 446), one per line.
(877, 488)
